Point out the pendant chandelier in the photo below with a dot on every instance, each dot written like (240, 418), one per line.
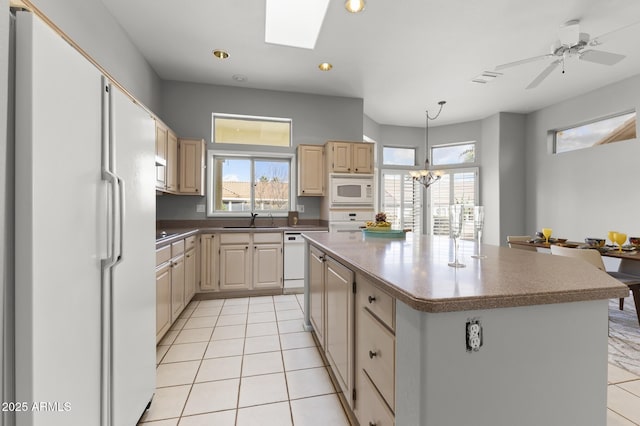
(428, 177)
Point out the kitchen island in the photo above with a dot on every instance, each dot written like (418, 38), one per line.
(543, 323)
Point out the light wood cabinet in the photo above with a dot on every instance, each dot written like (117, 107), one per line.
(235, 267)
(317, 293)
(209, 261)
(349, 157)
(177, 279)
(191, 166)
(311, 170)
(172, 162)
(190, 272)
(163, 300)
(340, 324)
(161, 156)
(267, 265)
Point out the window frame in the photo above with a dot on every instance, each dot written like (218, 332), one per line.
(554, 132)
(401, 172)
(244, 117)
(474, 163)
(212, 155)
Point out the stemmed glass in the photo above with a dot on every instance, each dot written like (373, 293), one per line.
(611, 236)
(456, 213)
(620, 239)
(478, 221)
(547, 233)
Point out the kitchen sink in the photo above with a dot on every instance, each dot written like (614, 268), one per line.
(163, 235)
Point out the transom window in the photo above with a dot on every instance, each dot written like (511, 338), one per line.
(618, 128)
(241, 183)
(250, 130)
(455, 153)
(395, 156)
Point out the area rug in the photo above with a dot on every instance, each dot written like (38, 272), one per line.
(624, 336)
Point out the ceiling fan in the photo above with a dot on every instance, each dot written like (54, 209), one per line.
(571, 43)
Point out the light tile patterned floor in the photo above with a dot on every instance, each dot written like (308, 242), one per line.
(248, 361)
(244, 361)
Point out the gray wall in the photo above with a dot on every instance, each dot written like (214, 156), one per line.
(90, 24)
(489, 154)
(188, 107)
(588, 192)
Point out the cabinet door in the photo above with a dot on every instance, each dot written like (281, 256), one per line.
(163, 300)
(235, 271)
(189, 275)
(362, 161)
(191, 156)
(172, 162)
(310, 170)
(267, 266)
(340, 157)
(209, 262)
(339, 332)
(161, 157)
(177, 286)
(316, 293)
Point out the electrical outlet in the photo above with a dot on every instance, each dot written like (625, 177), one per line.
(473, 332)
(300, 208)
(199, 208)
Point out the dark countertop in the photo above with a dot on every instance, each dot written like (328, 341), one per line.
(175, 234)
(415, 271)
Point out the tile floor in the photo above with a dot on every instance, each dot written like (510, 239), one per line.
(243, 361)
(248, 361)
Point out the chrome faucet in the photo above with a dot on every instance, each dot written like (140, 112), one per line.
(271, 216)
(253, 220)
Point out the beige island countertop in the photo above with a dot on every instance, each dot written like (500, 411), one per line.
(415, 271)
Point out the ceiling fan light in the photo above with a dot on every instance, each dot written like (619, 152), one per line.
(354, 6)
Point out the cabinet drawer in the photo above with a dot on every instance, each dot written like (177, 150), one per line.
(269, 237)
(377, 301)
(189, 243)
(163, 255)
(371, 408)
(177, 248)
(376, 354)
(233, 238)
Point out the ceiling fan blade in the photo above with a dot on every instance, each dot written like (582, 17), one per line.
(544, 74)
(601, 57)
(596, 41)
(522, 61)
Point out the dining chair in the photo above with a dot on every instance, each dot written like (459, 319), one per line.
(511, 238)
(593, 257)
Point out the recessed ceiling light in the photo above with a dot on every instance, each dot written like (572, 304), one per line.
(220, 54)
(354, 6)
(325, 66)
(241, 78)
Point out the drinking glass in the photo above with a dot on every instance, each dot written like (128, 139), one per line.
(547, 233)
(620, 239)
(456, 216)
(478, 222)
(611, 236)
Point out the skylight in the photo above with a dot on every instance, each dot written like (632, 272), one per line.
(294, 23)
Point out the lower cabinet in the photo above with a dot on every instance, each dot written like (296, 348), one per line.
(177, 279)
(209, 263)
(354, 322)
(163, 300)
(267, 261)
(190, 274)
(235, 269)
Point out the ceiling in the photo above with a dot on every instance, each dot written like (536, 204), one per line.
(401, 57)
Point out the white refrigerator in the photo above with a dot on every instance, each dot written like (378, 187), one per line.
(85, 240)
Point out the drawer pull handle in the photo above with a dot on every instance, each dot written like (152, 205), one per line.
(372, 299)
(372, 354)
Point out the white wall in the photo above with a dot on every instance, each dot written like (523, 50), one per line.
(188, 107)
(91, 25)
(588, 192)
(489, 154)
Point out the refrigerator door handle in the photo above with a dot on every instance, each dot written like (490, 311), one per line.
(113, 183)
(121, 197)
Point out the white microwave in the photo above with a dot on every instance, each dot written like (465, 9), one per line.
(351, 190)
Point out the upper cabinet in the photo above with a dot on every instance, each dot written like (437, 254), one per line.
(191, 155)
(310, 170)
(349, 157)
(179, 163)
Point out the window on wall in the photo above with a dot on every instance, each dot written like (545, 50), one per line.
(401, 200)
(394, 156)
(618, 128)
(456, 186)
(240, 183)
(455, 153)
(251, 130)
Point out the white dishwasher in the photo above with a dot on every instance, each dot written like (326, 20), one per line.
(294, 262)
